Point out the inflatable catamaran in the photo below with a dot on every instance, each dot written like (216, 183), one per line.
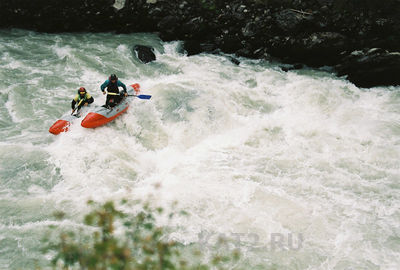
(99, 115)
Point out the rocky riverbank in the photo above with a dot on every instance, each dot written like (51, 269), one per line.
(359, 38)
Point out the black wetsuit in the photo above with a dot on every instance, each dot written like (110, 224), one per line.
(111, 99)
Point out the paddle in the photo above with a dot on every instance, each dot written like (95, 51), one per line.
(76, 107)
(138, 96)
(136, 87)
(141, 96)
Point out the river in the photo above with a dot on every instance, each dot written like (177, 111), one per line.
(249, 151)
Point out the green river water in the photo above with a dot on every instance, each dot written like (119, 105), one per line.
(246, 149)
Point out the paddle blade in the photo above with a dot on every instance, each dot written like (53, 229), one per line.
(144, 96)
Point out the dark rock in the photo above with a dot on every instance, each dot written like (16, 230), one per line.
(193, 47)
(58, 15)
(144, 53)
(325, 2)
(168, 25)
(229, 41)
(315, 49)
(289, 20)
(369, 68)
(194, 29)
(324, 48)
(234, 60)
(250, 29)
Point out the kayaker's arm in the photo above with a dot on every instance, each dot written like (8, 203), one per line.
(123, 92)
(74, 101)
(104, 85)
(73, 104)
(90, 100)
(119, 83)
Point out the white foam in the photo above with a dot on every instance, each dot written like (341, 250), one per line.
(244, 149)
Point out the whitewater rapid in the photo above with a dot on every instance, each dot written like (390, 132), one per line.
(248, 150)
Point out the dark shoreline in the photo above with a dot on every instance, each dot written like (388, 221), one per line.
(358, 38)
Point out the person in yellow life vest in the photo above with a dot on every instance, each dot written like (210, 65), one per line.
(82, 98)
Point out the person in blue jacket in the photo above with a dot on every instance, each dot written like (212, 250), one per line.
(114, 96)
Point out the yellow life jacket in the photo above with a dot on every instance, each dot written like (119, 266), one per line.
(78, 97)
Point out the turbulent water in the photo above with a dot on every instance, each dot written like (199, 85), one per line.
(251, 152)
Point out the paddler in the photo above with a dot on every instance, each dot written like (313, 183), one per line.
(113, 94)
(82, 98)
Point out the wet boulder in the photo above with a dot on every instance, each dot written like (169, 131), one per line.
(144, 53)
(369, 68)
(233, 60)
(193, 47)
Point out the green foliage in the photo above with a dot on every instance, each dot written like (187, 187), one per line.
(121, 241)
